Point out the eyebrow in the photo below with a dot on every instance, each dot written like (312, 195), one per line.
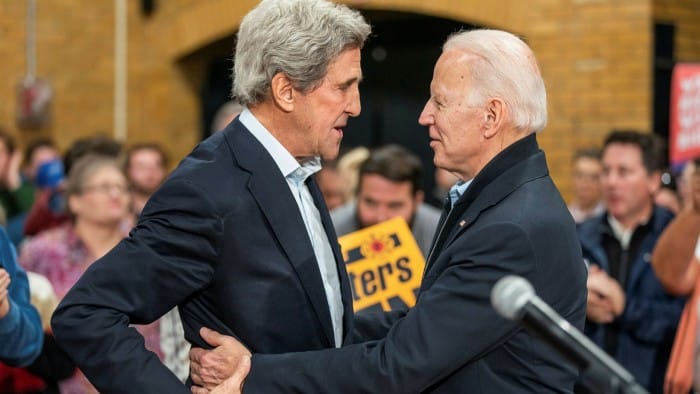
(351, 81)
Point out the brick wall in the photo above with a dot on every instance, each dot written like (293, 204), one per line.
(595, 56)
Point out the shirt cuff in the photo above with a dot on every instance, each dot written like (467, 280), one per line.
(697, 250)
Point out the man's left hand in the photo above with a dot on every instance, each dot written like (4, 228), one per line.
(232, 385)
(211, 368)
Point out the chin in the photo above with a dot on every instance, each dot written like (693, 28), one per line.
(330, 155)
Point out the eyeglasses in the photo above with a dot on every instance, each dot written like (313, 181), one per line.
(590, 177)
(107, 188)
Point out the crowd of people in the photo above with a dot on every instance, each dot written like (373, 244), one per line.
(62, 214)
(235, 251)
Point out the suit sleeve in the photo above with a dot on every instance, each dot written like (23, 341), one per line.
(451, 325)
(652, 320)
(169, 256)
(21, 334)
(374, 325)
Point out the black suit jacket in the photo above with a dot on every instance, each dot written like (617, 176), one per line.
(511, 220)
(223, 239)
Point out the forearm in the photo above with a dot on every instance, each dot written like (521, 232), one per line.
(110, 353)
(21, 335)
(673, 254)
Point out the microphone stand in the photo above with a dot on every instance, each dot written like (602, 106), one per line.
(598, 369)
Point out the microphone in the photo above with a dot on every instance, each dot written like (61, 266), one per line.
(514, 298)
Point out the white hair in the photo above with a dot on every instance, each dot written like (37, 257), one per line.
(504, 66)
(299, 38)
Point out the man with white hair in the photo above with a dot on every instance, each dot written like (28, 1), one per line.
(506, 217)
(238, 236)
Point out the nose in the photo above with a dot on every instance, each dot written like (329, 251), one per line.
(354, 106)
(383, 214)
(426, 116)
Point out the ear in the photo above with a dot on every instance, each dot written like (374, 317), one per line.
(654, 182)
(72, 204)
(495, 113)
(419, 197)
(282, 92)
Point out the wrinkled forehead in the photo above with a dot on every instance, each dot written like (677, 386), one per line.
(452, 71)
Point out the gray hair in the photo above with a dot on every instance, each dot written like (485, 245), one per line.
(504, 66)
(299, 38)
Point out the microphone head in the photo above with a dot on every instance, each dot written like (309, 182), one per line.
(510, 295)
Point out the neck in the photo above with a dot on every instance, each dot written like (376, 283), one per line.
(98, 238)
(491, 148)
(138, 201)
(633, 221)
(280, 124)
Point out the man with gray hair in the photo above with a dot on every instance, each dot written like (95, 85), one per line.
(505, 217)
(238, 237)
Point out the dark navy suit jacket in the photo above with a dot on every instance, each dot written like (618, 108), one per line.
(223, 239)
(511, 220)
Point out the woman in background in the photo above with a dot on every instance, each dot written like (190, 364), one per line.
(97, 197)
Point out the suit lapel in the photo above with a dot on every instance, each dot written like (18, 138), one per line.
(271, 191)
(345, 292)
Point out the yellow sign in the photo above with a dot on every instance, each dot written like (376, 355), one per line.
(384, 264)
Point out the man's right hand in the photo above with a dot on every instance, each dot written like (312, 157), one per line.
(211, 368)
(599, 308)
(4, 296)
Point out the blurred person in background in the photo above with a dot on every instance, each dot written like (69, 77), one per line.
(676, 261)
(587, 186)
(16, 193)
(348, 167)
(629, 314)
(36, 156)
(146, 167)
(331, 183)
(390, 185)
(20, 327)
(667, 196)
(37, 153)
(97, 197)
(21, 335)
(16, 190)
(49, 210)
(225, 115)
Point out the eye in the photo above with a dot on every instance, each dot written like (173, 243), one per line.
(438, 103)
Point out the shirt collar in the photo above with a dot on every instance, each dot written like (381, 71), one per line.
(457, 190)
(305, 170)
(623, 235)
